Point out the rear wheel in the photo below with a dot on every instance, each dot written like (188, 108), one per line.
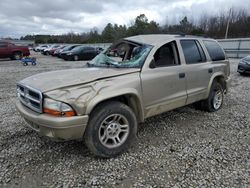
(242, 74)
(111, 129)
(214, 100)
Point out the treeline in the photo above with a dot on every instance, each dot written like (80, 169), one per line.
(208, 26)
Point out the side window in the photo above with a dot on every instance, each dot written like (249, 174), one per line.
(88, 48)
(3, 45)
(203, 56)
(214, 50)
(91, 49)
(167, 55)
(193, 52)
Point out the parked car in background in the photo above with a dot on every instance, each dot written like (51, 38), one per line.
(244, 65)
(46, 51)
(58, 50)
(65, 50)
(104, 102)
(31, 48)
(9, 50)
(81, 53)
(99, 49)
(40, 47)
(52, 51)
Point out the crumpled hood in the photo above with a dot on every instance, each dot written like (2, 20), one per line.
(57, 79)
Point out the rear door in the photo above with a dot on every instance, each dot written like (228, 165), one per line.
(164, 83)
(198, 70)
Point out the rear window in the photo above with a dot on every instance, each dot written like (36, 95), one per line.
(214, 50)
(192, 51)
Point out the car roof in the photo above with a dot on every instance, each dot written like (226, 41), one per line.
(157, 39)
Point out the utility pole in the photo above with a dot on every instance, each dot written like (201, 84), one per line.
(228, 22)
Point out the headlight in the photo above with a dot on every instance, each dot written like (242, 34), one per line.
(57, 108)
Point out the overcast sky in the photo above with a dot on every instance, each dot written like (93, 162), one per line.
(21, 17)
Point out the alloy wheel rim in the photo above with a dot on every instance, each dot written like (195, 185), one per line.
(217, 102)
(113, 131)
(17, 56)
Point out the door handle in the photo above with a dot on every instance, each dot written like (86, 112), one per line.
(210, 70)
(182, 75)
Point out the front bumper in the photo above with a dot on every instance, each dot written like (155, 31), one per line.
(58, 128)
(243, 68)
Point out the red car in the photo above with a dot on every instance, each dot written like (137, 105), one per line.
(52, 51)
(9, 50)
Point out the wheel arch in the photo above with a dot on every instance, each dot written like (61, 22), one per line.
(17, 51)
(220, 78)
(130, 99)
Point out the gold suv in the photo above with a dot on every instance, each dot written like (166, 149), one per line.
(104, 102)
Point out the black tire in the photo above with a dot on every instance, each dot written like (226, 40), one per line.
(94, 130)
(17, 56)
(209, 105)
(243, 74)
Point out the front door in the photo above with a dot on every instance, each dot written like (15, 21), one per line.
(164, 84)
(3, 50)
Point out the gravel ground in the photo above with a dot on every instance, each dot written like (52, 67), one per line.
(180, 148)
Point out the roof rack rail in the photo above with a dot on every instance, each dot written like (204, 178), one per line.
(176, 33)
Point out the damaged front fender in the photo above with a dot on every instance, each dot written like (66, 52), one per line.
(79, 96)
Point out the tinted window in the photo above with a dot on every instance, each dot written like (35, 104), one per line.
(89, 48)
(215, 51)
(78, 48)
(203, 56)
(2, 44)
(192, 52)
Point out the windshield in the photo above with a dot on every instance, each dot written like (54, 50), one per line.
(124, 56)
(247, 58)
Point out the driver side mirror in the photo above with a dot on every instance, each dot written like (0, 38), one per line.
(152, 64)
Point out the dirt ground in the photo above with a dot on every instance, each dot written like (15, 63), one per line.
(183, 147)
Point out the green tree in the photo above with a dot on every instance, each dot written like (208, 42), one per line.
(108, 33)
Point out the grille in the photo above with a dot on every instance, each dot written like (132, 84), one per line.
(30, 97)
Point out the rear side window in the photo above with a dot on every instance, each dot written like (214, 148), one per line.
(3, 45)
(214, 50)
(193, 52)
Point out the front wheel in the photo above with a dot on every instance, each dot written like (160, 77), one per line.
(111, 129)
(76, 58)
(17, 56)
